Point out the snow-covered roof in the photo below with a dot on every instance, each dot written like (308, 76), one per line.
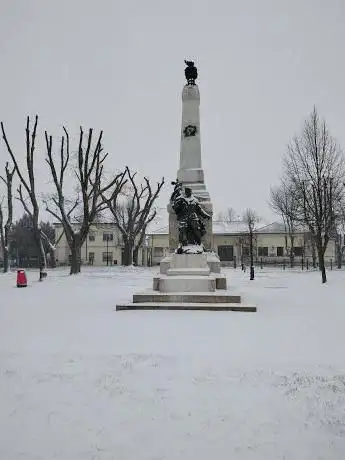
(279, 227)
(224, 228)
(161, 227)
(159, 231)
(229, 228)
(274, 227)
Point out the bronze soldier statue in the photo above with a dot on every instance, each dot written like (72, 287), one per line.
(189, 215)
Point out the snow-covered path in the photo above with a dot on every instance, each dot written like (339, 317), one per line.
(81, 381)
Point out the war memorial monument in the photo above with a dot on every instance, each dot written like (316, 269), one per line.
(190, 276)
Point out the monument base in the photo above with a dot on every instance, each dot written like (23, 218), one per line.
(186, 306)
(213, 264)
(188, 282)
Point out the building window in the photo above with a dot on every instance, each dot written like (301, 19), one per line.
(91, 237)
(91, 258)
(108, 237)
(158, 252)
(298, 251)
(107, 257)
(280, 251)
(226, 253)
(262, 251)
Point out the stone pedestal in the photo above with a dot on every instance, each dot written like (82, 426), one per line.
(212, 261)
(187, 273)
(188, 282)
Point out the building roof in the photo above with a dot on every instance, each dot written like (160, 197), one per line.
(218, 227)
(159, 231)
(279, 227)
(224, 228)
(229, 228)
(274, 227)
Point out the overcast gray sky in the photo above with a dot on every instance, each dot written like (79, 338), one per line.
(118, 66)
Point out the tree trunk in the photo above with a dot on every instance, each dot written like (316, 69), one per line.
(52, 258)
(139, 244)
(135, 255)
(40, 247)
(75, 257)
(4, 245)
(322, 267)
(42, 254)
(6, 260)
(313, 252)
(339, 254)
(43, 259)
(128, 253)
(292, 250)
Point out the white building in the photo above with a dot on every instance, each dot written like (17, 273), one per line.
(230, 241)
(103, 246)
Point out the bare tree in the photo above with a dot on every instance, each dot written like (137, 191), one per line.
(29, 185)
(314, 165)
(5, 228)
(283, 202)
(251, 219)
(133, 214)
(89, 174)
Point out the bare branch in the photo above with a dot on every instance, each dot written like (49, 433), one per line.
(22, 200)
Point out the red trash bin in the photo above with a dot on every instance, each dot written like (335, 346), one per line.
(21, 278)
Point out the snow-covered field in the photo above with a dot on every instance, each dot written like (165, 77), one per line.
(80, 381)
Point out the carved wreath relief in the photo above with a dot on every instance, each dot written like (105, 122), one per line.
(190, 130)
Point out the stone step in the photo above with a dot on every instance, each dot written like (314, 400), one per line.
(186, 297)
(186, 306)
(188, 271)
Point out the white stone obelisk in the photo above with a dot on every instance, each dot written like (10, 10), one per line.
(190, 172)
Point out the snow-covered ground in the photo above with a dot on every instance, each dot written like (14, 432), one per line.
(80, 381)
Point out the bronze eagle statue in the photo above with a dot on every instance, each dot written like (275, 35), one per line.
(191, 72)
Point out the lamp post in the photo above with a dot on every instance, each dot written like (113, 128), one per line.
(86, 259)
(147, 244)
(251, 256)
(107, 240)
